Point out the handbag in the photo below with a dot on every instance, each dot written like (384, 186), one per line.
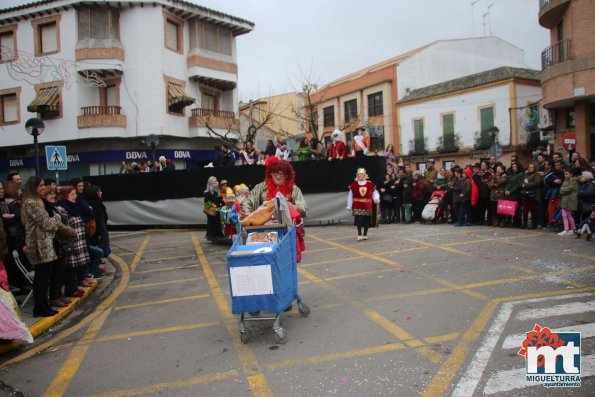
(507, 207)
(528, 193)
(66, 248)
(91, 227)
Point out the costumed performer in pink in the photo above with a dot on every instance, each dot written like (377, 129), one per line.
(360, 199)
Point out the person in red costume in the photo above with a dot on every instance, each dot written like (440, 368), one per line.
(362, 196)
(279, 177)
(337, 148)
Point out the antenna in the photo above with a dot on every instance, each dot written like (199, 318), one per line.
(473, 16)
(490, 18)
(484, 23)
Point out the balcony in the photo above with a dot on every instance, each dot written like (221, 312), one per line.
(551, 12)
(221, 119)
(101, 116)
(556, 53)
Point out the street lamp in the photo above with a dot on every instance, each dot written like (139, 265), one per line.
(35, 127)
(152, 141)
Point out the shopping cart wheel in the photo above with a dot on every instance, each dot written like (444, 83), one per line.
(246, 336)
(280, 336)
(303, 309)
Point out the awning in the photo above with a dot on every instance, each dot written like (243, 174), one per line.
(47, 100)
(177, 98)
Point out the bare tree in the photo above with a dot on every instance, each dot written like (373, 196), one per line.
(308, 113)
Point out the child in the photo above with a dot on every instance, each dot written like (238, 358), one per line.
(229, 216)
(407, 199)
(587, 227)
(569, 191)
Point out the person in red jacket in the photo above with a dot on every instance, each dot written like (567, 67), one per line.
(360, 199)
(337, 148)
(418, 189)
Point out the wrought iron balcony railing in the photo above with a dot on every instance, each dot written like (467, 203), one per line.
(556, 53)
(101, 110)
(225, 114)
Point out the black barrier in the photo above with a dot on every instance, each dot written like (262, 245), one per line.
(311, 176)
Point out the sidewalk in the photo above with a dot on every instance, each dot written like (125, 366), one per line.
(39, 325)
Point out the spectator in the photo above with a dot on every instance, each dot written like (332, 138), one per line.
(407, 200)
(213, 201)
(397, 188)
(513, 191)
(14, 177)
(430, 175)
(389, 155)
(304, 151)
(270, 149)
(282, 152)
(481, 176)
(100, 239)
(165, 164)
(318, 150)
(531, 196)
(40, 229)
(417, 194)
(497, 186)
(219, 156)
(249, 155)
(51, 183)
(462, 197)
(586, 195)
(360, 145)
(581, 164)
(552, 181)
(386, 200)
(587, 227)
(337, 149)
(569, 203)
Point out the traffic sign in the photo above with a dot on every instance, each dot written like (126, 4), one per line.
(569, 141)
(56, 158)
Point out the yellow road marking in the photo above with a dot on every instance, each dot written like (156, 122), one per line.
(527, 277)
(401, 250)
(544, 294)
(408, 294)
(165, 269)
(319, 250)
(358, 252)
(139, 254)
(159, 331)
(164, 387)
(367, 351)
(72, 363)
(583, 256)
(184, 280)
(451, 365)
(442, 338)
(453, 286)
(125, 277)
(483, 240)
(330, 261)
(360, 274)
(170, 258)
(531, 271)
(438, 246)
(161, 302)
(258, 383)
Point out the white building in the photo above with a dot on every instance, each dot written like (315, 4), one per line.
(104, 75)
(452, 120)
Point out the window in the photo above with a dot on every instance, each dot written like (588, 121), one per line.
(418, 136)
(448, 131)
(348, 138)
(486, 116)
(48, 40)
(8, 45)
(98, 23)
(377, 138)
(350, 109)
(207, 36)
(329, 116)
(375, 105)
(209, 101)
(9, 108)
(173, 35)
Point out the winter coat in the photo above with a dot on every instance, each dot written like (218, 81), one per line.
(533, 183)
(430, 178)
(100, 213)
(552, 190)
(513, 185)
(40, 232)
(3, 244)
(586, 196)
(79, 256)
(418, 189)
(461, 186)
(498, 186)
(568, 191)
(474, 188)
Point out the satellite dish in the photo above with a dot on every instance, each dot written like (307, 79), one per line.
(152, 140)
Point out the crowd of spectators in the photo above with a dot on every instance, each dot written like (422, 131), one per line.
(548, 192)
(59, 232)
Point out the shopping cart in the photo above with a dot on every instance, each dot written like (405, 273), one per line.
(263, 277)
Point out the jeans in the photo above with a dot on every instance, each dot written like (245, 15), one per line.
(96, 254)
(463, 211)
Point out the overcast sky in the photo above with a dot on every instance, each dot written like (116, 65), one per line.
(331, 38)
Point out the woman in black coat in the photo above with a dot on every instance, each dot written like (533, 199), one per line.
(93, 195)
(213, 201)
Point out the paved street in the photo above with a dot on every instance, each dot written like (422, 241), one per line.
(426, 310)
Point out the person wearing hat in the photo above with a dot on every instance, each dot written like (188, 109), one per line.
(361, 198)
(337, 149)
(224, 188)
(361, 142)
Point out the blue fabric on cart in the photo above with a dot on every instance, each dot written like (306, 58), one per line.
(282, 260)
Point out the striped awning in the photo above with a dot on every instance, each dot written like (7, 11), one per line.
(47, 100)
(177, 98)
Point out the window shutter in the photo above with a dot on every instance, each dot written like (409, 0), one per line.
(418, 130)
(10, 108)
(225, 41)
(171, 35)
(84, 21)
(7, 43)
(448, 130)
(211, 37)
(487, 119)
(207, 101)
(49, 38)
(111, 95)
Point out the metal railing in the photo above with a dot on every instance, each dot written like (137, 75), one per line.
(101, 110)
(556, 53)
(225, 114)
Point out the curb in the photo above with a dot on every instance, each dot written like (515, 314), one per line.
(45, 323)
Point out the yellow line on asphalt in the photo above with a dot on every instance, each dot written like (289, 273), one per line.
(360, 274)
(75, 358)
(438, 246)
(408, 294)
(165, 269)
(483, 240)
(164, 387)
(403, 335)
(367, 351)
(442, 338)
(451, 365)
(531, 271)
(544, 294)
(139, 254)
(183, 280)
(258, 383)
(319, 250)
(161, 302)
(330, 261)
(453, 286)
(159, 331)
(169, 258)
(583, 256)
(125, 277)
(401, 250)
(527, 277)
(358, 252)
